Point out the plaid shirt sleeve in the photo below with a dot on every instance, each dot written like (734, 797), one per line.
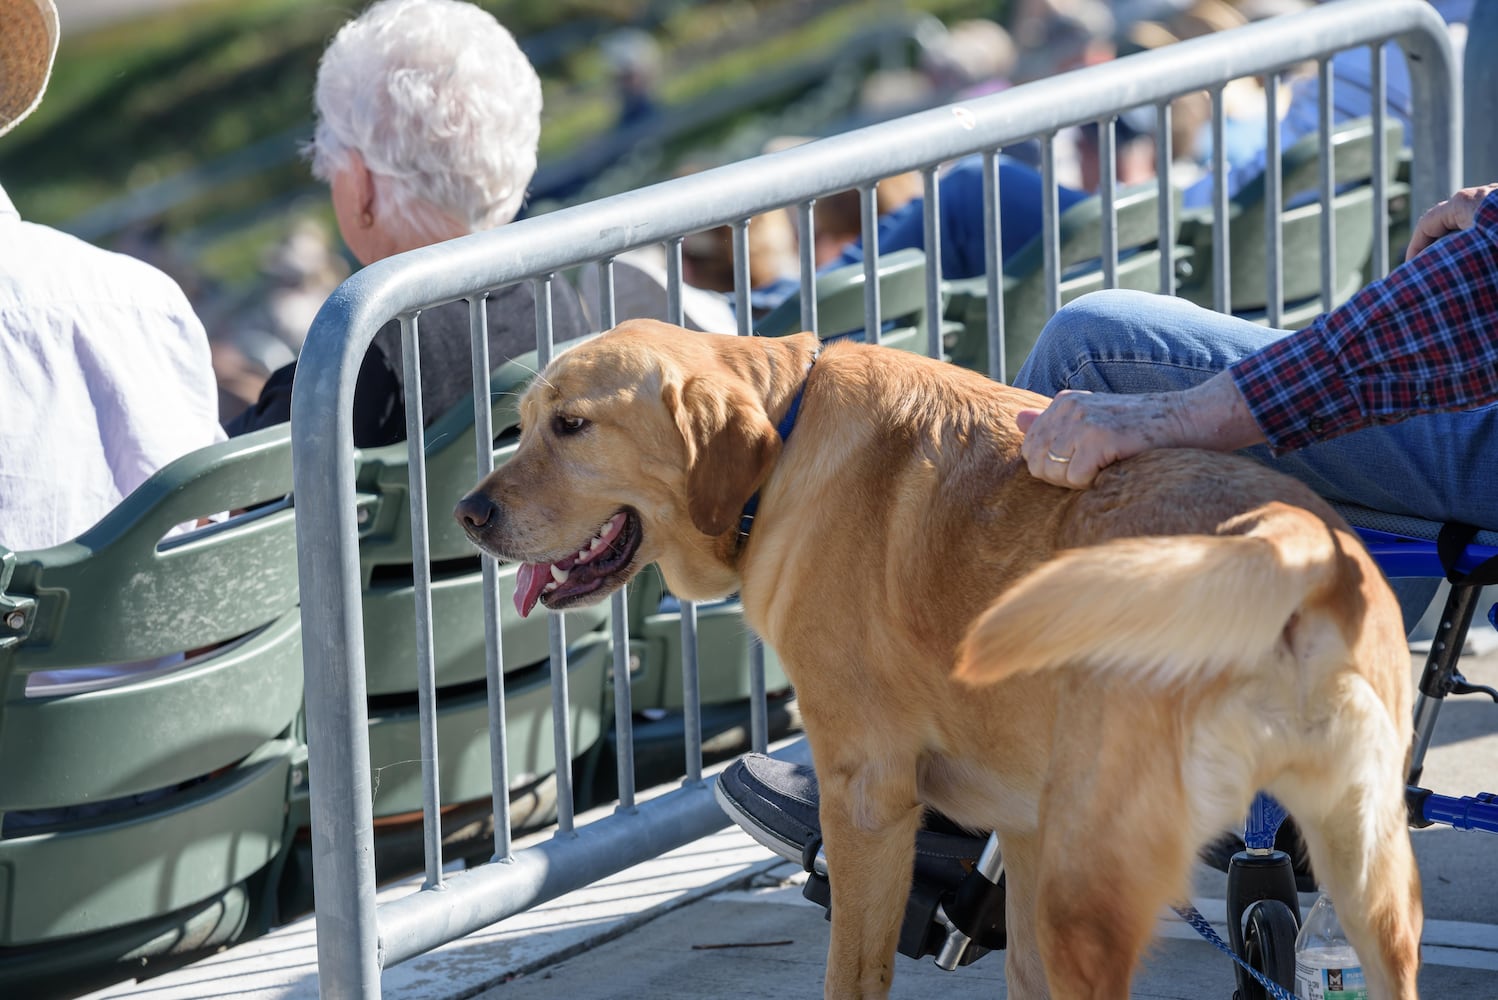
(1423, 339)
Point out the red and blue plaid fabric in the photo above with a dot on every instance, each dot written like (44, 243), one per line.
(1421, 340)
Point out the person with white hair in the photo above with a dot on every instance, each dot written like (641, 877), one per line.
(428, 119)
(104, 368)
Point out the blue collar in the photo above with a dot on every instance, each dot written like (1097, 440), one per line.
(787, 424)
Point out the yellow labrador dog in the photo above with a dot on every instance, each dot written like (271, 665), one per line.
(1103, 677)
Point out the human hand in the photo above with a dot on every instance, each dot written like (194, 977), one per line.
(1081, 433)
(1453, 214)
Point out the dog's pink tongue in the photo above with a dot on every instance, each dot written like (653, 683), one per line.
(529, 580)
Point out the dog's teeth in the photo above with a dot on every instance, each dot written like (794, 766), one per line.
(584, 553)
(596, 543)
(559, 574)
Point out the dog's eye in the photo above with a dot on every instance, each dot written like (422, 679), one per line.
(567, 424)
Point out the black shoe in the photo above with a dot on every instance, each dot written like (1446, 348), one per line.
(1220, 851)
(776, 803)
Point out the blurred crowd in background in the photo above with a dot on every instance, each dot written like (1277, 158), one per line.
(258, 329)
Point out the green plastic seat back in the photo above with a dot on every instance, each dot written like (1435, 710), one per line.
(1026, 306)
(209, 625)
(840, 305)
(1352, 207)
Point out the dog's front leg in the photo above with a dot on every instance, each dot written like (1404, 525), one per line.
(1024, 972)
(869, 820)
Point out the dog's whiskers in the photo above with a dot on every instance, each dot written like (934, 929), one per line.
(536, 372)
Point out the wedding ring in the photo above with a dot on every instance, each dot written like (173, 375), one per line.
(1058, 459)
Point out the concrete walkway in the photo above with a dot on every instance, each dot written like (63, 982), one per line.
(722, 918)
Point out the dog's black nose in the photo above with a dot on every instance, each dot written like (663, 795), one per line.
(474, 510)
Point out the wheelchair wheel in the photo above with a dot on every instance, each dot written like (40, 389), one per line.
(1269, 929)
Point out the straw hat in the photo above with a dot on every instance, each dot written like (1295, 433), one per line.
(28, 41)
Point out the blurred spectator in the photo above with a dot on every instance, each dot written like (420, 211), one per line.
(634, 60)
(960, 203)
(1069, 36)
(972, 57)
(1133, 149)
(1352, 98)
(428, 120)
(639, 280)
(1191, 114)
(967, 59)
(1127, 12)
(707, 258)
(838, 218)
(104, 367)
(1057, 37)
(297, 273)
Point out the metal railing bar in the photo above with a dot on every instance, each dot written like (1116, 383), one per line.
(691, 694)
(674, 281)
(623, 679)
(868, 206)
(1050, 225)
(1108, 190)
(993, 266)
(561, 721)
(691, 680)
(556, 625)
(421, 575)
(1165, 197)
(691, 711)
(743, 308)
(1222, 284)
(931, 235)
(1274, 206)
(806, 226)
(484, 895)
(759, 716)
(494, 660)
(1380, 162)
(1328, 171)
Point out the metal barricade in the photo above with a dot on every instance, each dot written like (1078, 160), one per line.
(356, 939)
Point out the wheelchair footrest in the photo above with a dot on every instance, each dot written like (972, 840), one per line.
(933, 910)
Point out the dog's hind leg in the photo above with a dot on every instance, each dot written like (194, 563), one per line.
(1117, 844)
(1360, 849)
(870, 815)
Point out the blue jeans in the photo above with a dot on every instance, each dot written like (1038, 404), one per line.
(1441, 467)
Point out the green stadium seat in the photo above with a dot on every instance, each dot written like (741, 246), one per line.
(146, 815)
(1352, 206)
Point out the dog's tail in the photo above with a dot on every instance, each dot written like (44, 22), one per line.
(1166, 610)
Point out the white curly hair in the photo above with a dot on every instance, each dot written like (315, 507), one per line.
(441, 104)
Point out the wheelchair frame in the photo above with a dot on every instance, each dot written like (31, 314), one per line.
(1263, 907)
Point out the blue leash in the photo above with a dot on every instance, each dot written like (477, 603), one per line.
(1193, 916)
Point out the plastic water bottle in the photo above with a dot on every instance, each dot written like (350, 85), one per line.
(1326, 966)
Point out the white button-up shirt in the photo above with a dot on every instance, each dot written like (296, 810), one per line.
(104, 378)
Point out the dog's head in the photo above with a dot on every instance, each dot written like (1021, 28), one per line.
(639, 446)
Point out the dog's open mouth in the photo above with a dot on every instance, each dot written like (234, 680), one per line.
(607, 556)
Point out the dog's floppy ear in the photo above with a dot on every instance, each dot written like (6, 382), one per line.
(731, 446)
